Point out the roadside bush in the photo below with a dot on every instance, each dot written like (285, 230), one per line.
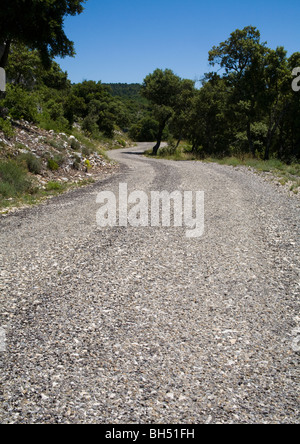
(33, 164)
(122, 142)
(52, 165)
(54, 186)
(13, 179)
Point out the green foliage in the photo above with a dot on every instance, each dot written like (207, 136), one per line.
(249, 110)
(59, 125)
(261, 106)
(124, 90)
(75, 145)
(6, 127)
(38, 24)
(90, 127)
(48, 98)
(145, 130)
(99, 110)
(33, 164)
(13, 179)
(21, 103)
(54, 186)
(122, 142)
(52, 165)
(24, 66)
(163, 89)
(87, 164)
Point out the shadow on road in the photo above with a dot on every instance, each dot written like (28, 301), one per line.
(136, 153)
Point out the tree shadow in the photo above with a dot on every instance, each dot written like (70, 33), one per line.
(135, 153)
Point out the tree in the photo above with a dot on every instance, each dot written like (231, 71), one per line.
(24, 67)
(180, 121)
(207, 122)
(145, 130)
(243, 58)
(278, 92)
(39, 25)
(162, 88)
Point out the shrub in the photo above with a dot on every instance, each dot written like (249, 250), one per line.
(52, 165)
(167, 151)
(6, 127)
(54, 186)
(76, 164)
(33, 164)
(122, 142)
(13, 179)
(75, 145)
(61, 124)
(87, 164)
(6, 190)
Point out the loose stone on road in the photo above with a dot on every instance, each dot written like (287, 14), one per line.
(142, 325)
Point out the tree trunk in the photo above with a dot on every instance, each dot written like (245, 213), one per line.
(250, 141)
(156, 148)
(178, 142)
(159, 137)
(267, 150)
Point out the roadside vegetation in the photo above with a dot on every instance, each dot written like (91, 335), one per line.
(285, 173)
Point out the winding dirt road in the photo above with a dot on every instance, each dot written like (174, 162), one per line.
(143, 325)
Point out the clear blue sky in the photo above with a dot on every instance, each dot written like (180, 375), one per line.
(124, 40)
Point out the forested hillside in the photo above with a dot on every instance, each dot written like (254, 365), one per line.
(126, 90)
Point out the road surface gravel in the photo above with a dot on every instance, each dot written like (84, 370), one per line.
(143, 325)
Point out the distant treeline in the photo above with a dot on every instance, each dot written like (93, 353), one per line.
(125, 90)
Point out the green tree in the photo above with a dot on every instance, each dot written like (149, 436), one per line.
(278, 92)
(145, 130)
(180, 122)
(24, 67)
(243, 58)
(207, 126)
(39, 25)
(97, 107)
(162, 89)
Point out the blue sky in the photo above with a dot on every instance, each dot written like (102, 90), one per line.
(124, 40)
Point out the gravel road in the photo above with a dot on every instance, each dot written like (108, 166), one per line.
(143, 325)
